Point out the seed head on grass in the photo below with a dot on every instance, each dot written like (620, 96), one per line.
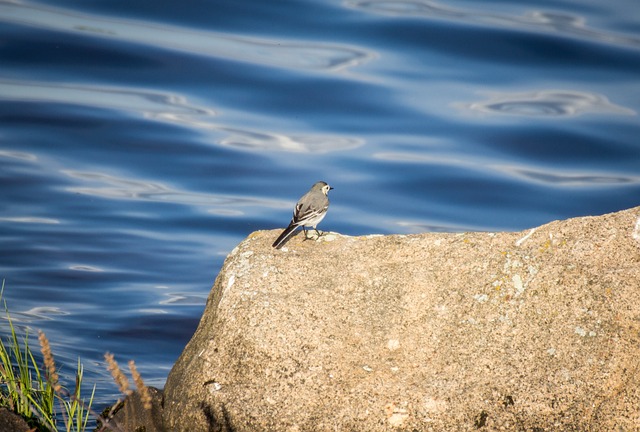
(49, 362)
(143, 390)
(118, 376)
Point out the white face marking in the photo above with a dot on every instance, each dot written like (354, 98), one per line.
(325, 189)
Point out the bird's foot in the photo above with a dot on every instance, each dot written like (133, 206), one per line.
(316, 237)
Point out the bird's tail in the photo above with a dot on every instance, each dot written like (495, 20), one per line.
(285, 235)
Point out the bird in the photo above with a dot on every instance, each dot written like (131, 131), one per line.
(309, 211)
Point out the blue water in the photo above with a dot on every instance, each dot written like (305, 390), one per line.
(141, 141)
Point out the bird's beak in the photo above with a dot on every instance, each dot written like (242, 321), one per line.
(330, 188)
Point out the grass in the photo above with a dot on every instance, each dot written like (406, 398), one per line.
(36, 394)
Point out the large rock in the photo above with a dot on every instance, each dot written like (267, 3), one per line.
(536, 330)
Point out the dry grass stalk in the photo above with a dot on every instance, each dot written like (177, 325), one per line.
(143, 390)
(118, 376)
(49, 362)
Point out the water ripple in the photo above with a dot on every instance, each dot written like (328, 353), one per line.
(113, 187)
(549, 22)
(546, 103)
(564, 179)
(183, 299)
(278, 53)
(167, 107)
(37, 314)
(306, 143)
(17, 154)
(86, 268)
(549, 176)
(30, 219)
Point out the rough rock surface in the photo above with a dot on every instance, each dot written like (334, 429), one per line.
(133, 416)
(11, 422)
(537, 330)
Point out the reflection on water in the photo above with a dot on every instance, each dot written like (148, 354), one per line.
(295, 55)
(16, 154)
(153, 311)
(183, 299)
(547, 103)
(86, 268)
(226, 212)
(167, 107)
(113, 187)
(554, 22)
(47, 313)
(565, 179)
(30, 219)
(560, 177)
(289, 143)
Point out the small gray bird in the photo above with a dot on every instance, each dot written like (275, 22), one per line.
(309, 211)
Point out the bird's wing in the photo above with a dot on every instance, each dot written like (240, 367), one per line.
(303, 213)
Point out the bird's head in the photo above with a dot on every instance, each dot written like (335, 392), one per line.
(323, 186)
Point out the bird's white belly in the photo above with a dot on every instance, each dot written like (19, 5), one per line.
(315, 221)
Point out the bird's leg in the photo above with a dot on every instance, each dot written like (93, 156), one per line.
(305, 232)
(318, 232)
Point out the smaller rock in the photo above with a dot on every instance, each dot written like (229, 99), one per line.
(131, 415)
(12, 422)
